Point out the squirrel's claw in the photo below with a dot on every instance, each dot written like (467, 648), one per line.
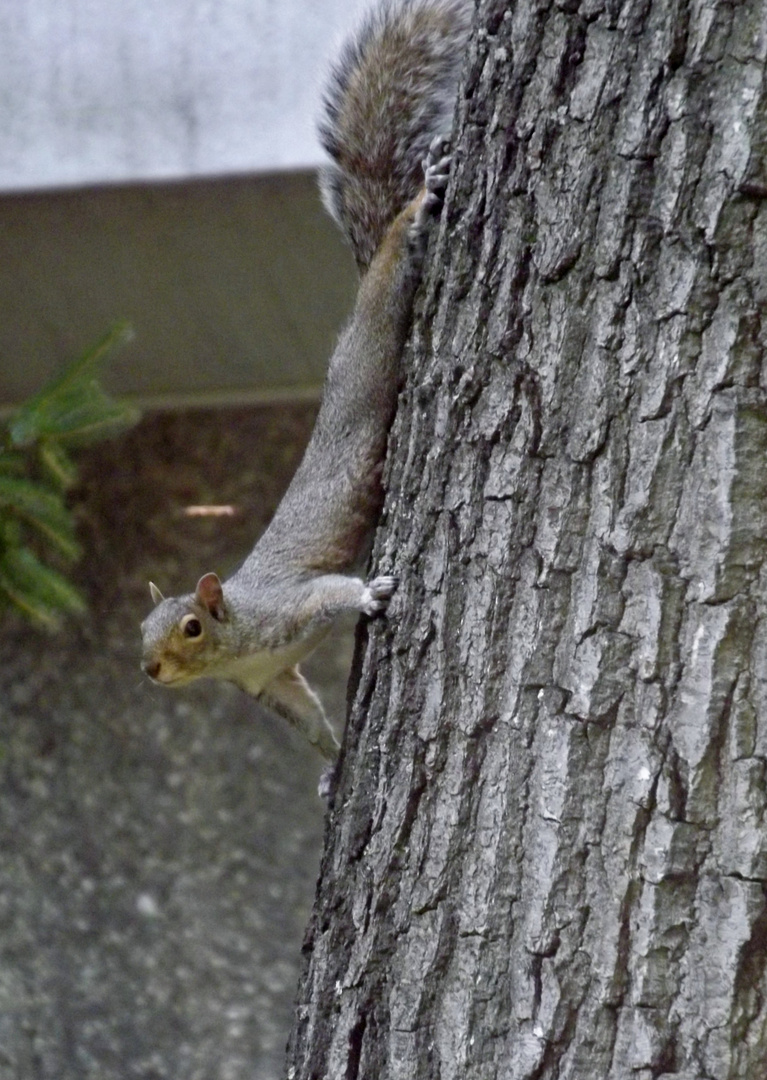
(436, 167)
(326, 788)
(436, 173)
(377, 594)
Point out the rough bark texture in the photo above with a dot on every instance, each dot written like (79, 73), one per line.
(548, 856)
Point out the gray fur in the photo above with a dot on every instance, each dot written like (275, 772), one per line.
(392, 89)
(255, 628)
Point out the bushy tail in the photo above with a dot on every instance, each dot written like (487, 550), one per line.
(391, 91)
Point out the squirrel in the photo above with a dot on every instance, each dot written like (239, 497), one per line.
(387, 110)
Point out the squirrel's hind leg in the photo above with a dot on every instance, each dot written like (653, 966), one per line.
(291, 697)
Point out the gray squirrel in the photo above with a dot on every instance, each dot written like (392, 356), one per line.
(387, 110)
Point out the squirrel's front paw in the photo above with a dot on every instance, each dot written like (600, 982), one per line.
(377, 594)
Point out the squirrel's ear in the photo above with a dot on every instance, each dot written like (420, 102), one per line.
(155, 593)
(211, 595)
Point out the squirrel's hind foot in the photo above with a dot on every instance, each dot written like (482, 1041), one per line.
(326, 788)
(436, 167)
(436, 173)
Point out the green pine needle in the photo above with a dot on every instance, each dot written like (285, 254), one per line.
(57, 464)
(39, 591)
(74, 408)
(42, 508)
(36, 469)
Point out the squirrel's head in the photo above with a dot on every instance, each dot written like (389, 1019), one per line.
(182, 635)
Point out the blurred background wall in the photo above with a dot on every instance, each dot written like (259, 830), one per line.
(159, 850)
(156, 164)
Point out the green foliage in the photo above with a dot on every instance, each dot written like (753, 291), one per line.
(36, 470)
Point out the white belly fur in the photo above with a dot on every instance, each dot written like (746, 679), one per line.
(255, 671)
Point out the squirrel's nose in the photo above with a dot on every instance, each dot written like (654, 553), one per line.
(152, 668)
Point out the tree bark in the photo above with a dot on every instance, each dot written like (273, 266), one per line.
(548, 854)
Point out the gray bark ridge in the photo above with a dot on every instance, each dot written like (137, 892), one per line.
(548, 857)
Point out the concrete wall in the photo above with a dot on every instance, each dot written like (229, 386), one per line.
(98, 92)
(159, 848)
(235, 288)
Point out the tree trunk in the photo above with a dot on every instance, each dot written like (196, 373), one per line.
(548, 854)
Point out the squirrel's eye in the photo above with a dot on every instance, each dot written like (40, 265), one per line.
(190, 626)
